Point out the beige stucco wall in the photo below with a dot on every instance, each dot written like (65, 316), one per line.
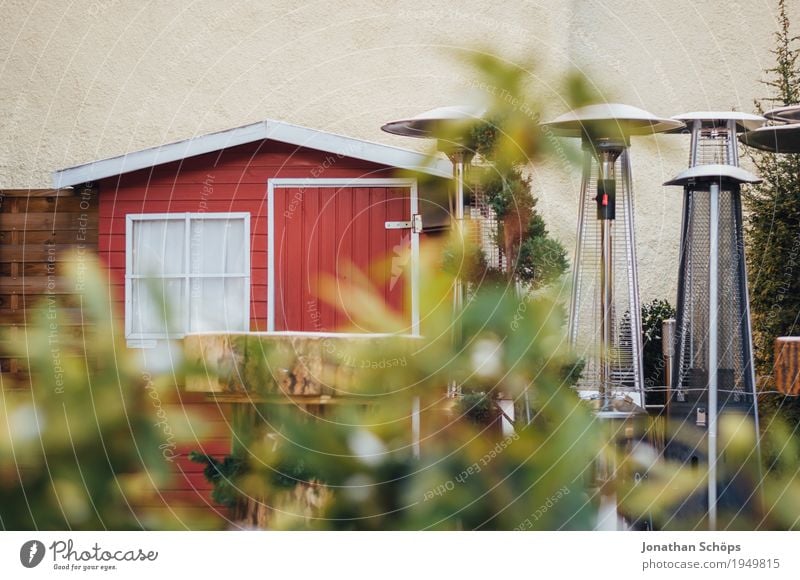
(96, 78)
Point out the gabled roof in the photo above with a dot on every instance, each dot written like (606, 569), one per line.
(269, 129)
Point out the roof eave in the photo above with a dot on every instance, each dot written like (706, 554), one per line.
(262, 130)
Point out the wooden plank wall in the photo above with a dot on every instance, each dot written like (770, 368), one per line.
(40, 229)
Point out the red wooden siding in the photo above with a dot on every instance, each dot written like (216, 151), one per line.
(185, 500)
(234, 180)
(323, 233)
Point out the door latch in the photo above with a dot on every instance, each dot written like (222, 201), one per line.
(415, 224)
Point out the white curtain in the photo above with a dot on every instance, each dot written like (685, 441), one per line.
(156, 306)
(159, 247)
(217, 246)
(213, 265)
(217, 305)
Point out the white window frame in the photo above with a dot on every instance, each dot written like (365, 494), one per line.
(149, 340)
(312, 182)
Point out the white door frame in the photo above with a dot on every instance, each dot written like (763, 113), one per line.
(274, 183)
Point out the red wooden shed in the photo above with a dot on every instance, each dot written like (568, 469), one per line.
(240, 230)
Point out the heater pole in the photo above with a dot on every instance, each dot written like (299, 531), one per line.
(713, 289)
(458, 285)
(457, 227)
(668, 352)
(606, 213)
(605, 317)
(696, 126)
(733, 150)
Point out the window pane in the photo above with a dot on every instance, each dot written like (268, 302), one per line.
(158, 247)
(157, 306)
(217, 246)
(217, 304)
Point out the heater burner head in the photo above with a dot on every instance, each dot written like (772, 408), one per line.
(610, 121)
(712, 119)
(777, 139)
(439, 123)
(711, 173)
(713, 135)
(789, 114)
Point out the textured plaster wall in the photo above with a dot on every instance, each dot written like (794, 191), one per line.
(95, 78)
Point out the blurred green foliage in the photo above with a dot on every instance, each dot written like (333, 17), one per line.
(222, 474)
(672, 495)
(84, 444)
(532, 256)
(469, 474)
(479, 407)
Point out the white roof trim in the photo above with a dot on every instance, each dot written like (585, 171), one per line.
(269, 129)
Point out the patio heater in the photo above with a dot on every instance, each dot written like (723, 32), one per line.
(787, 114)
(784, 138)
(713, 364)
(713, 141)
(605, 315)
(450, 127)
(713, 147)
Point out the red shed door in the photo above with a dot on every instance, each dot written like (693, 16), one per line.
(331, 243)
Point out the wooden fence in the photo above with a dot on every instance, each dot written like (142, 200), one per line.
(39, 231)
